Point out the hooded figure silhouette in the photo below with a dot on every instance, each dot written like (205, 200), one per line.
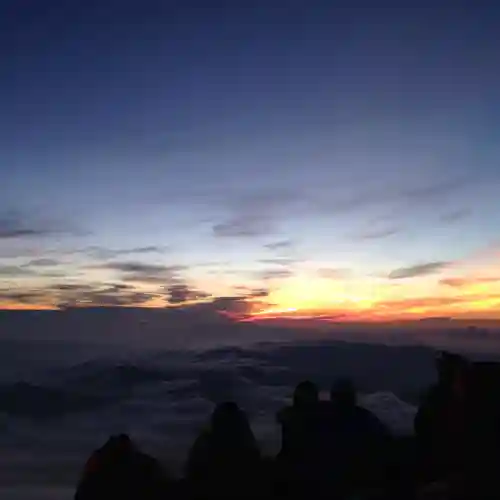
(225, 460)
(119, 470)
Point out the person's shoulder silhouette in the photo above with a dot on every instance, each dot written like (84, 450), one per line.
(119, 470)
(224, 453)
(300, 422)
(431, 414)
(352, 418)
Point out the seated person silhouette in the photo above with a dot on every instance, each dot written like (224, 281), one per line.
(119, 470)
(474, 432)
(438, 417)
(224, 461)
(299, 423)
(300, 460)
(358, 439)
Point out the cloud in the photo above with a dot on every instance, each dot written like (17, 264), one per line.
(435, 190)
(455, 282)
(234, 305)
(339, 205)
(73, 287)
(222, 308)
(334, 274)
(218, 310)
(107, 298)
(279, 261)
(261, 201)
(258, 293)
(15, 271)
(21, 297)
(15, 225)
(417, 270)
(378, 234)
(254, 213)
(464, 282)
(252, 292)
(118, 287)
(456, 215)
(272, 274)
(99, 294)
(66, 295)
(376, 196)
(145, 273)
(280, 245)
(102, 253)
(179, 293)
(424, 302)
(42, 263)
(7, 232)
(136, 267)
(244, 226)
(55, 274)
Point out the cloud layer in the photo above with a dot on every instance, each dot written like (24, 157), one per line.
(417, 270)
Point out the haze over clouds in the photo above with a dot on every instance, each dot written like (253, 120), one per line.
(340, 161)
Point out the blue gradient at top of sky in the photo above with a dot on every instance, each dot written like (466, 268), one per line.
(144, 123)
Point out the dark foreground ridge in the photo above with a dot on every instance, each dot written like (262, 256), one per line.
(330, 449)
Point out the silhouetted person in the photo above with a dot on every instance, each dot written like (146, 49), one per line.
(119, 470)
(358, 439)
(440, 418)
(477, 448)
(224, 461)
(300, 457)
(298, 422)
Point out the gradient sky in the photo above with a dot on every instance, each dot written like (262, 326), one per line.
(308, 157)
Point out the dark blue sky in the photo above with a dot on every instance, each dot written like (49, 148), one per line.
(359, 138)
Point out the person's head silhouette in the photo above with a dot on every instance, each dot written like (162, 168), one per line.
(118, 446)
(449, 367)
(229, 422)
(343, 393)
(305, 395)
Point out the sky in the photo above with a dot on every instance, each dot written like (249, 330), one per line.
(271, 158)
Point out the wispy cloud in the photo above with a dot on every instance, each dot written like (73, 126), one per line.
(378, 234)
(455, 215)
(179, 293)
(469, 281)
(280, 261)
(254, 213)
(244, 226)
(145, 273)
(80, 295)
(15, 271)
(334, 274)
(17, 225)
(44, 262)
(424, 302)
(274, 274)
(382, 195)
(103, 253)
(279, 245)
(106, 297)
(417, 270)
(435, 190)
(29, 298)
(139, 267)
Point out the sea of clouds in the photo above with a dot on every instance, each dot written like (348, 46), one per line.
(55, 413)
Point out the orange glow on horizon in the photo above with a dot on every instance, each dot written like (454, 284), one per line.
(11, 306)
(466, 290)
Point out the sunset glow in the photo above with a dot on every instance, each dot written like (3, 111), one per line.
(457, 293)
(251, 173)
